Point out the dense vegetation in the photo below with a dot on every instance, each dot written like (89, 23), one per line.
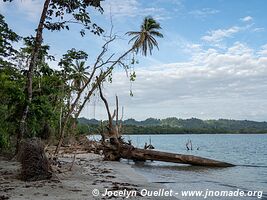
(35, 99)
(178, 126)
(38, 100)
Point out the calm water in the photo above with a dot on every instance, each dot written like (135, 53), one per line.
(248, 152)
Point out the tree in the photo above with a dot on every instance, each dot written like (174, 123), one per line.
(60, 12)
(7, 37)
(32, 66)
(80, 75)
(144, 39)
(10, 80)
(101, 69)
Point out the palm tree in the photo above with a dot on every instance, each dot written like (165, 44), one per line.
(144, 39)
(80, 75)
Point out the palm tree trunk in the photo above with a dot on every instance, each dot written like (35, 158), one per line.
(32, 65)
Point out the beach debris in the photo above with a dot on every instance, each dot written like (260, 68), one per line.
(34, 163)
(115, 148)
(189, 145)
(3, 197)
(149, 146)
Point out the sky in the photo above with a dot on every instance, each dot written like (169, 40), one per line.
(212, 61)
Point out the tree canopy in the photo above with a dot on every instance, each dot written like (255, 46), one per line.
(144, 40)
(38, 100)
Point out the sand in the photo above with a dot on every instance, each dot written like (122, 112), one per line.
(88, 175)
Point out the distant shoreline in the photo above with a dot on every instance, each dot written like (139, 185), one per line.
(174, 125)
(188, 133)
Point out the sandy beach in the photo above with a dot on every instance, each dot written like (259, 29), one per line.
(89, 175)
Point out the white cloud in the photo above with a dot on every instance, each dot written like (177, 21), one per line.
(133, 8)
(247, 19)
(213, 84)
(263, 50)
(239, 49)
(32, 8)
(122, 8)
(204, 12)
(258, 29)
(29, 8)
(218, 35)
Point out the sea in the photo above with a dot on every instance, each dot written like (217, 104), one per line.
(248, 152)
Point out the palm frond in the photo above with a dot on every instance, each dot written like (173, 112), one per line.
(143, 39)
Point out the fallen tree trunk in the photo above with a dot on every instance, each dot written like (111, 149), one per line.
(114, 148)
(126, 151)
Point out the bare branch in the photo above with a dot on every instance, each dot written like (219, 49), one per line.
(122, 112)
(114, 114)
(106, 104)
(117, 110)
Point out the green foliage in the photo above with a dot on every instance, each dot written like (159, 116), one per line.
(29, 47)
(62, 13)
(53, 90)
(132, 76)
(12, 98)
(173, 125)
(71, 56)
(46, 103)
(4, 138)
(47, 88)
(83, 129)
(144, 40)
(75, 69)
(7, 37)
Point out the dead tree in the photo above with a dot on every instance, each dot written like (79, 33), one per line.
(114, 148)
(112, 131)
(98, 65)
(112, 136)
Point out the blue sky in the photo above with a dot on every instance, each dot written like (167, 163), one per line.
(212, 61)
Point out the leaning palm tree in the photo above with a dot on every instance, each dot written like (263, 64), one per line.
(144, 40)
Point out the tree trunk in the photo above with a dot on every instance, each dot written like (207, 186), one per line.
(104, 75)
(32, 65)
(129, 152)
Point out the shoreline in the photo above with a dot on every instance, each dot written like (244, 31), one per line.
(88, 175)
(148, 134)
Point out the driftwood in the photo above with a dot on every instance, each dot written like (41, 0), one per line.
(115, 148)
(122, 150)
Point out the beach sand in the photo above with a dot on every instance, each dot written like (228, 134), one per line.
(88, 175)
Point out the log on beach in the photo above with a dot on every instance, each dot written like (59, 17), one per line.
(115, 148)
(129, 152)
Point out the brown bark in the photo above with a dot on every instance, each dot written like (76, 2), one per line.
(32, 65)
(129, 152)
(101, 78)
(106, 105)
(117, 111)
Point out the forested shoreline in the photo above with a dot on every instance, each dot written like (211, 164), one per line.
(177, 126)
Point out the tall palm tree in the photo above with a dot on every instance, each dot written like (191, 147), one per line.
(80, 75)
(144, 40)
